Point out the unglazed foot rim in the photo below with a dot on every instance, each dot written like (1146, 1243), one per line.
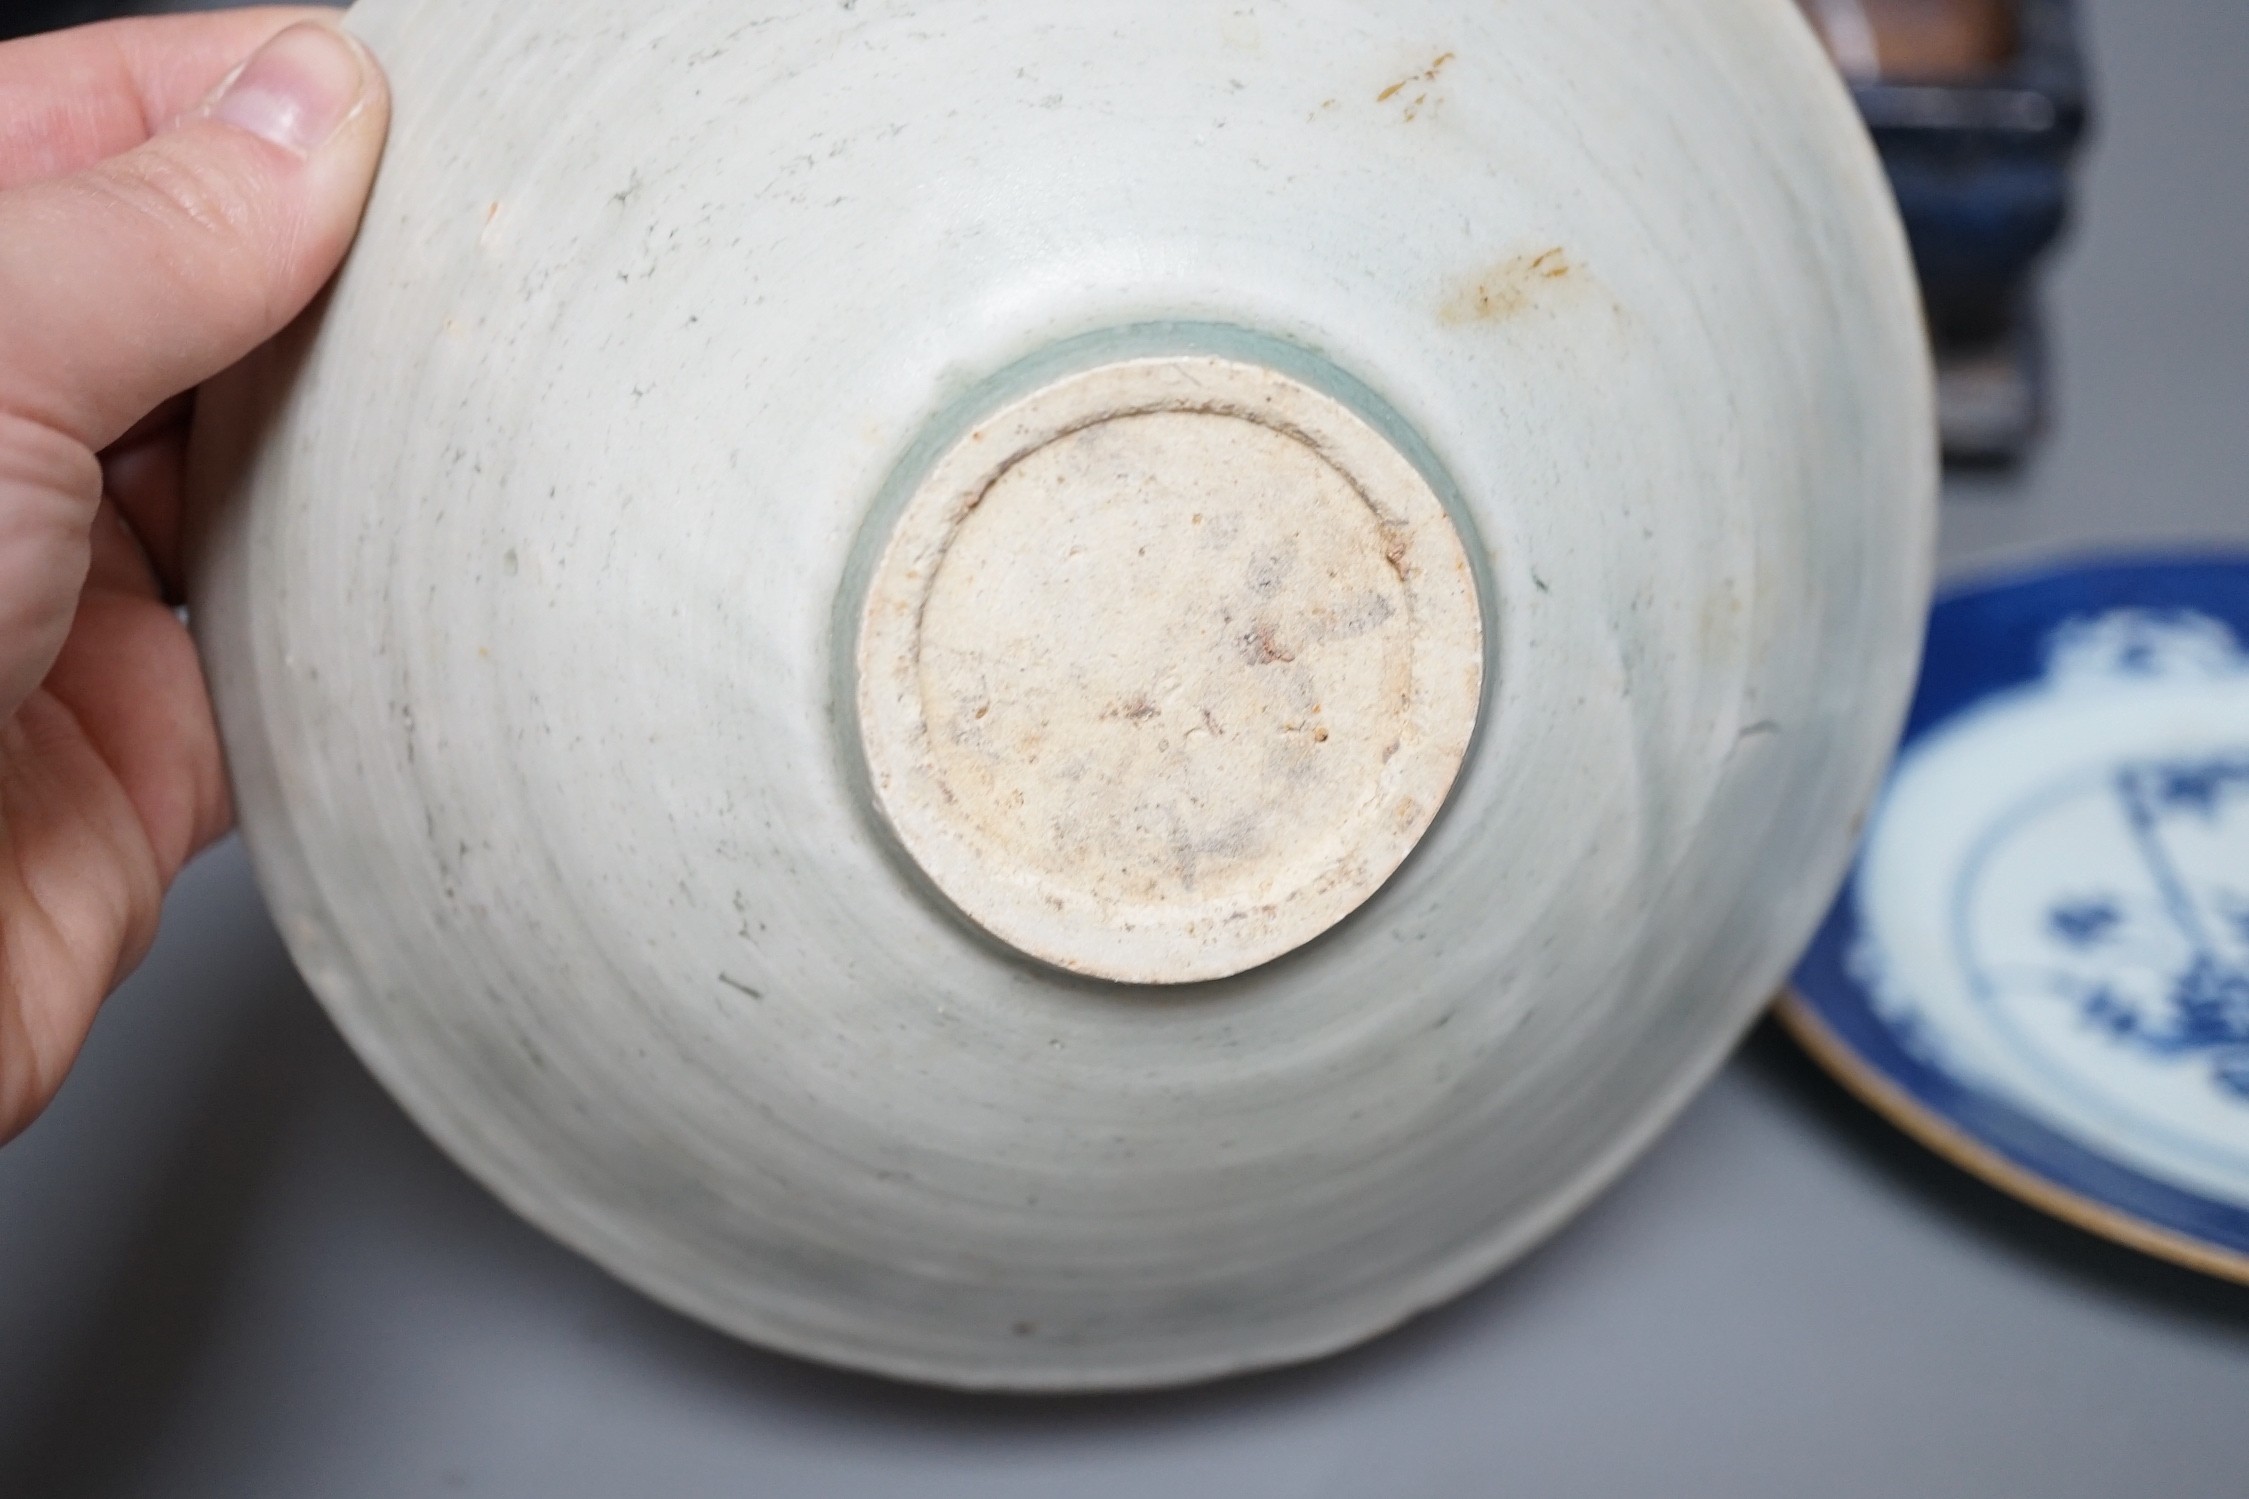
(1166, 667)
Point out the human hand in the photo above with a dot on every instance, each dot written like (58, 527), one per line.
(165, 207)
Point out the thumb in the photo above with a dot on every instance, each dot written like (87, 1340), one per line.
(156, 269)
(147, 274)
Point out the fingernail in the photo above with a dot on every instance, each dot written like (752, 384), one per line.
(296, 89)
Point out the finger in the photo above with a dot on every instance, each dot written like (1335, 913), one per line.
(110, 780)
(72, 98)
(81, 888)
(143, 472)
(171, 414)
(131, 681)
(119, 563)
(146, 274)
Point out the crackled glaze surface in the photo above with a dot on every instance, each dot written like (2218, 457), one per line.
(527, 583)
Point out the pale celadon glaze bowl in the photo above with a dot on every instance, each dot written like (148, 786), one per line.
(1070, 697)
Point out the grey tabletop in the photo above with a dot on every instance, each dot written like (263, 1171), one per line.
(230, 1266)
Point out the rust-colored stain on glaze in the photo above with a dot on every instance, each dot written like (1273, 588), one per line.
(1416, 82)
(1516, 285)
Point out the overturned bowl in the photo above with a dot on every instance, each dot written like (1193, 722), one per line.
(1078, 697)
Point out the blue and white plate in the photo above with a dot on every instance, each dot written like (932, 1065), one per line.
(2040, 966)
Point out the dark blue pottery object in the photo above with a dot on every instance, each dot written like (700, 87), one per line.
(2040, 965)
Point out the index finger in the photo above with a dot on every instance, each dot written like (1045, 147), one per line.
(71, 98)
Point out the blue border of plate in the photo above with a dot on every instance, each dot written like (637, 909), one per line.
(1985, 637)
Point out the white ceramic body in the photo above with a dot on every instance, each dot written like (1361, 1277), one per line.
(518, 581)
